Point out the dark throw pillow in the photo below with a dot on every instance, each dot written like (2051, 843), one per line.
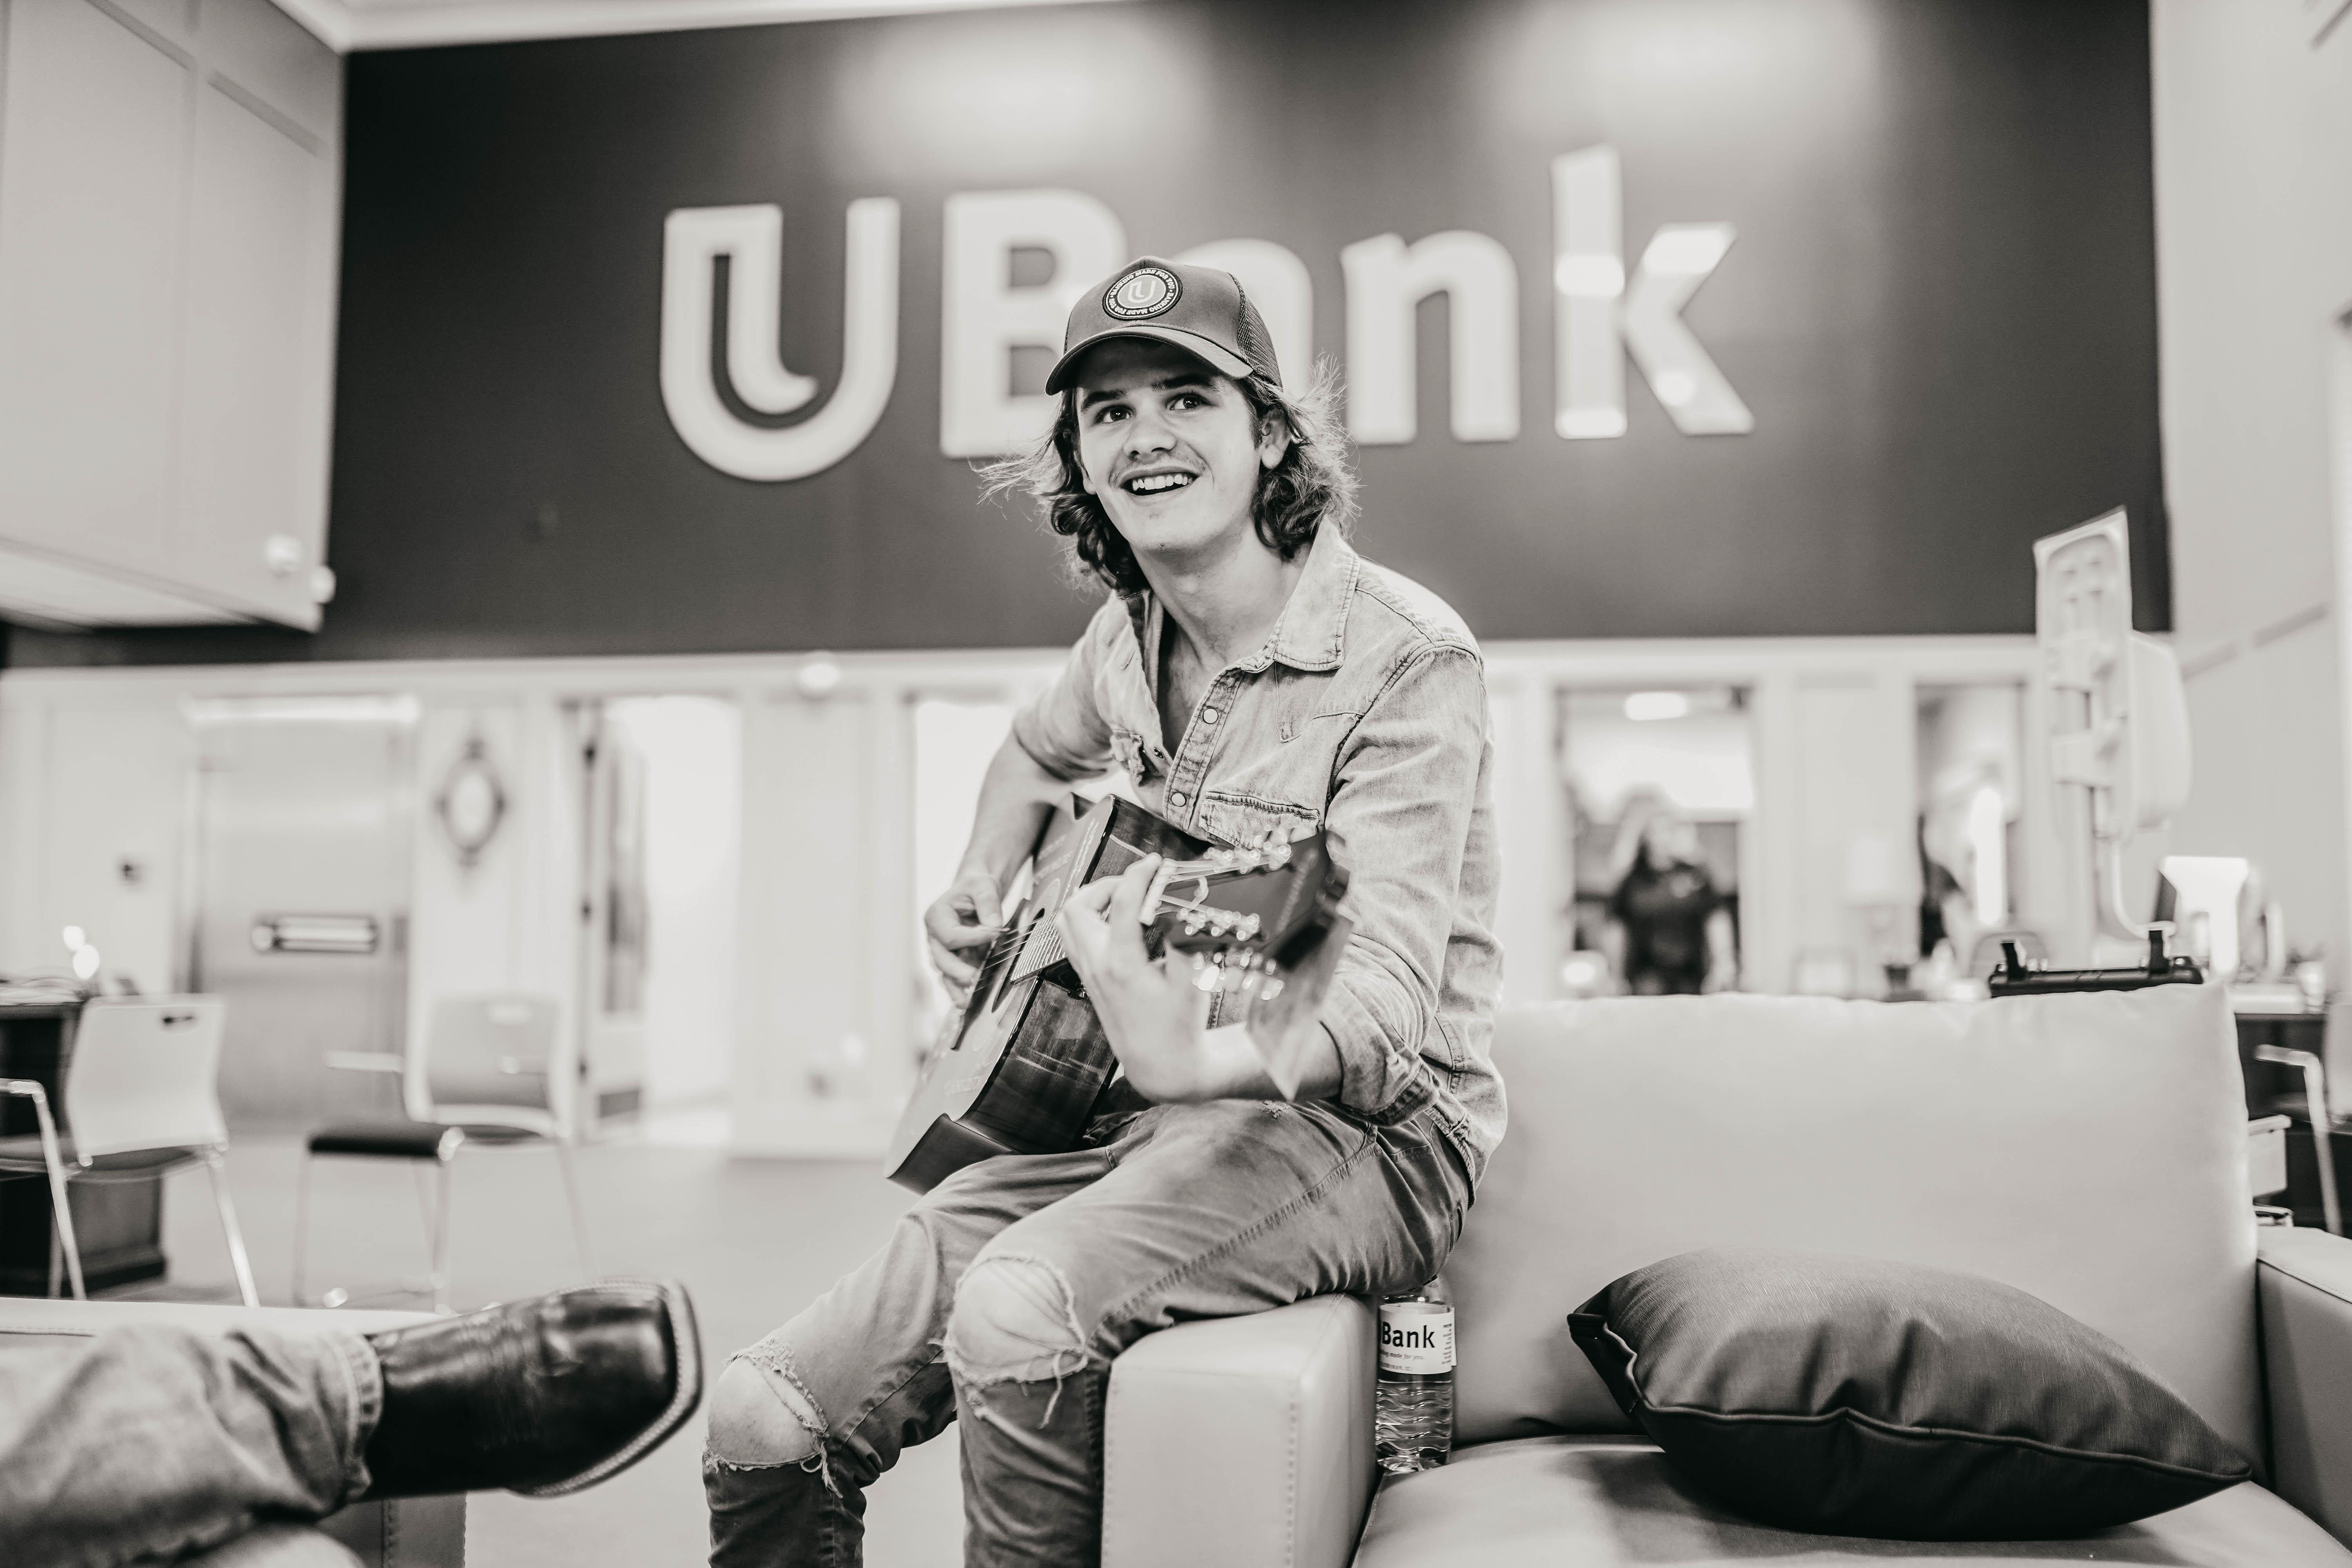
(1855, 1396)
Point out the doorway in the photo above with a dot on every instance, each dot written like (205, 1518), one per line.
(1971, 810)
(953, 740)
(662, 824)
(1660, 788)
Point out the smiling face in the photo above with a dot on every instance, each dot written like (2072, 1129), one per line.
(1172, 450)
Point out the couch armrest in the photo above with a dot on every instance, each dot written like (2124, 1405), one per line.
(2305, 1280)
(1245, 1442)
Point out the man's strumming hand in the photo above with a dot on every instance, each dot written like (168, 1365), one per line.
(960, 925)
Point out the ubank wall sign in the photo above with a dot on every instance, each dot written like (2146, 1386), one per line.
(1600, 310)
(1657, 317)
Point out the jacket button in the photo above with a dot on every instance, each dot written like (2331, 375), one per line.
(1175, 797)
(1208, 715)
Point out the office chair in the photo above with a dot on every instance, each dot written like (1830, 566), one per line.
(486, 1071)
(142, 1098)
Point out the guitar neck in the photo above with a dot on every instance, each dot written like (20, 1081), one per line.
(1043, 947)
(1088, 846)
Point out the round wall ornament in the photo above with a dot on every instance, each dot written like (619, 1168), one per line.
(472, 802)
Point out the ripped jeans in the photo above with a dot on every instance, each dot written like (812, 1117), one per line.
(1004, 1293)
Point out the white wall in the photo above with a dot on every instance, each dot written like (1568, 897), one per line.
(2253, 204)
(90, 788)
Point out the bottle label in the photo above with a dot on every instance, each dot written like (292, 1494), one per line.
(1416, 1338)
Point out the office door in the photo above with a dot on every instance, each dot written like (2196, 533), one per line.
(304, 824)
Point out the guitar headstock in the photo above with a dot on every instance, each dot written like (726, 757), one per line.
(1250, 911)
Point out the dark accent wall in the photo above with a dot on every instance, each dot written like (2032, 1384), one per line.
(1940, 307)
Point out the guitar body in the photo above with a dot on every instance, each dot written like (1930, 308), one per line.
(1029, 1060)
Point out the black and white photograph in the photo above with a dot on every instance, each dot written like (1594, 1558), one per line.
(1175, 783)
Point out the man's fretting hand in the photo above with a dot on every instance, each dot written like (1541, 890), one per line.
(960, 925)
(1154, 1016)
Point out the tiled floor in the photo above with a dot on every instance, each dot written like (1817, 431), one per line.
(754, 1240)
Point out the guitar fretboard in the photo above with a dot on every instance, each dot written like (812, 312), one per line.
(1040, 945)
(1041, 948)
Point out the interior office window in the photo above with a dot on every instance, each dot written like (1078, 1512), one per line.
(1970, 741)
(1660, 788)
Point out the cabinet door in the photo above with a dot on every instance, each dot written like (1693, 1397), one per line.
(93, 142)
(257, 358)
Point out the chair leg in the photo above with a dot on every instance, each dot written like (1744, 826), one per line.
(579, 1214)
(441, 1244)
(61, 1210)
(2314, 1092)
(301, 1220)
(237, 1258)
(57, 1263)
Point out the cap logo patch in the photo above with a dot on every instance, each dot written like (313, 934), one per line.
(1146, 292)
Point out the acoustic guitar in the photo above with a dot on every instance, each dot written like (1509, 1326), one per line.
(1028, 1059)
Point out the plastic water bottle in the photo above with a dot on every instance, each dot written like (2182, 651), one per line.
(1412, 1415)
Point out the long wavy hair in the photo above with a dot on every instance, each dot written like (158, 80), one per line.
(1311, 488)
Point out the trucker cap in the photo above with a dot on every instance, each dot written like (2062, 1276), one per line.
(1198, 309)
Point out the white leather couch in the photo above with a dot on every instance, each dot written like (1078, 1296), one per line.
(2089, 1149)
(417, 1533)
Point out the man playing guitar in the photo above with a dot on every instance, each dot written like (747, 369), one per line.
(1255, 677)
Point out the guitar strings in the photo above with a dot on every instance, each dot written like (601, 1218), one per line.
(1001, 951)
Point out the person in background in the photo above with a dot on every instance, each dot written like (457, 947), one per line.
(1947, 921)
(1669, 930)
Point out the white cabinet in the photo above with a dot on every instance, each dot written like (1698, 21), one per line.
(169, 197)
(93, 160)
(255, 392)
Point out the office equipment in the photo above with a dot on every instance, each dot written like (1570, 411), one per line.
(2118, 716)
(2015, 977)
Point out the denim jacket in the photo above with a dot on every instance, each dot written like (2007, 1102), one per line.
(1365, 713)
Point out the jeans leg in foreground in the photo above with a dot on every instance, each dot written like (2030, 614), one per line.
(155, 1442)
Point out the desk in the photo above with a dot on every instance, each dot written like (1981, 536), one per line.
(119, 1223)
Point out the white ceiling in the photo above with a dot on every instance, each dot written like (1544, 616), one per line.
(348, 25)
